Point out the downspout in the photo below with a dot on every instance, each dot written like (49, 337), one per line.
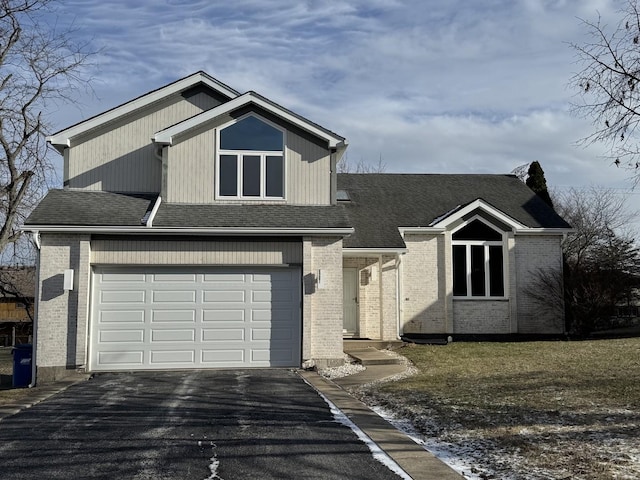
(34, 341)
(154, 211)
(381, 298)
(398, 297)
(333, 177)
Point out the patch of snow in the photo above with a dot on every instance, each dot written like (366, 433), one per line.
(349, 368)
(377, 452)
(214, 465)
(450, 454)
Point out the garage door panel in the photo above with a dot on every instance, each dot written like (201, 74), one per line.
(121, 316)
(173, 278)
(173, 335)
(122, 296)
(223, 335)
(225, 278)
(224, 357)
(237, 317)
(223, 296)
(158, 316)
(121, 336)
(271, 334)
(229, 315)
(277, 357)
(121, 358)
(108, 277)
(172, 357)
(173, 296)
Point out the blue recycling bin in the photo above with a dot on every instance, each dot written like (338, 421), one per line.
(22, 355)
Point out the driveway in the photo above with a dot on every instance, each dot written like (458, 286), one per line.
(185, 425)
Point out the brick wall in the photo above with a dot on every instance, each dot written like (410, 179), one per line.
(532, 253)
(428, 305)
(322, 307)
(62, 315)
(481, 316)
(424, 285)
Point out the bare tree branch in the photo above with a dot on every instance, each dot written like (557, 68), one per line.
(40, 66)
(608, 86)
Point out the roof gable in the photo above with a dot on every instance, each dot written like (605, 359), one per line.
(168, 135)
(432, 202)
(63, 137)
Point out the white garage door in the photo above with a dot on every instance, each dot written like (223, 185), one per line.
(171, 318)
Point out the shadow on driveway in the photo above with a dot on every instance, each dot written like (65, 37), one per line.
(178, 425)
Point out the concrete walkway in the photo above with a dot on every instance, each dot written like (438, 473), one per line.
(419, 463)
(411, 457)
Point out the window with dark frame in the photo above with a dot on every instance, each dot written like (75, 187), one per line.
(478, 261)
(251, 160)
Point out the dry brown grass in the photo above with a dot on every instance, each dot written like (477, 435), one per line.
(553, 409)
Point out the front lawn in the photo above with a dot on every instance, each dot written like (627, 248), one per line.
(527, 410)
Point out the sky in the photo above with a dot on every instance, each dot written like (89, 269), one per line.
(425, 86)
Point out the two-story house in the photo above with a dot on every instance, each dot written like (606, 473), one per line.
(199, 227)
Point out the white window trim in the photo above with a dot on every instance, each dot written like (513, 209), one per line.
(263, 154)
(487, 274)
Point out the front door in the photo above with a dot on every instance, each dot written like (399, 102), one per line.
(350, 301)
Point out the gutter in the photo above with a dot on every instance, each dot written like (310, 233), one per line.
(224, 231)
(374, 252)
(34, 341)
(154, 211)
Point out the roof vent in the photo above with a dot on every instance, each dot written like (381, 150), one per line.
(343, 196)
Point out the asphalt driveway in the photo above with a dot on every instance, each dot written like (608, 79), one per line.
(262, 424)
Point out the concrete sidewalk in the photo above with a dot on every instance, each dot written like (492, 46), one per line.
(419, 463)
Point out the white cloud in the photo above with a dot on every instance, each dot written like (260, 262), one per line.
(430, 86)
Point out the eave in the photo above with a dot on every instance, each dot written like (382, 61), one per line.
(63, 138)
(168, 135)
(143, 230)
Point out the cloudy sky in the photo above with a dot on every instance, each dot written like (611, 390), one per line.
(456, 86)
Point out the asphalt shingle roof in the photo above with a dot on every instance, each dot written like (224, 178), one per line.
(82, 207)
(87, 208)
(248, 216)
(380, 203)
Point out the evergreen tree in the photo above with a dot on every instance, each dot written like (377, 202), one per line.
(537, 182)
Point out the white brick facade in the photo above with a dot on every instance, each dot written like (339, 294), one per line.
(426, 297)
(532, 254)
(322, 306)
(62, 315)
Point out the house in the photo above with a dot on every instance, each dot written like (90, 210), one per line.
(17, 290)
(201, 227)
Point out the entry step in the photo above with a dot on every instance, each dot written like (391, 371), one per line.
(372, 356)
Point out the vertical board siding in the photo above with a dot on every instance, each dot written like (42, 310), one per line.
(191, 172)
(195, 252)
(308, 172)
(191, 169)
(120, 157)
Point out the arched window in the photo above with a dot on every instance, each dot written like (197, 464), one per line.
(250, 160)
(478, 261)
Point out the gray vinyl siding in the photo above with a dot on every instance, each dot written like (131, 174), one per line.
(120, 157)
(191, 169)
(195, 252)
(309, 172)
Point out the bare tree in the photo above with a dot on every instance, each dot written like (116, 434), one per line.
(345, 166)
(601, 260)
(599, 216)
(607, 85)
(40, 67)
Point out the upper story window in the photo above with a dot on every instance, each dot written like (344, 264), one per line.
(250, 160)
(478, 261)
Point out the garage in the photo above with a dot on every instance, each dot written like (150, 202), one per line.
(194, 317)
